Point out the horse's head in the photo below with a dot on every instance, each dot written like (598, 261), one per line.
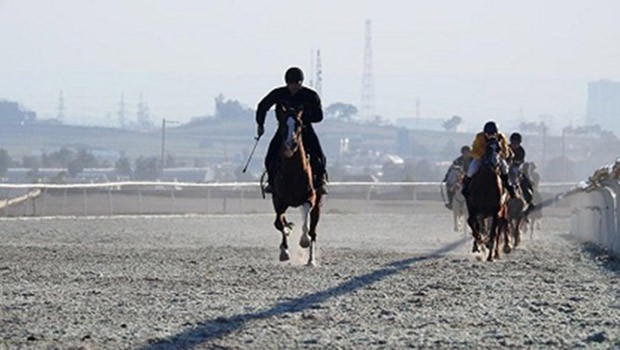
(290, 126)
(491, 155)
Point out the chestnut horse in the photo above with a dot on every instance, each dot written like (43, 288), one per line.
(293, 185)
(485, 201)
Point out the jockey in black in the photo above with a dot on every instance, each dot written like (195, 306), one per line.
(294, 95)
(516, 162)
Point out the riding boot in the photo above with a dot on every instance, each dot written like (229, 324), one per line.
(465, 189)
(270, 180)
(321, 183)
(508, 186)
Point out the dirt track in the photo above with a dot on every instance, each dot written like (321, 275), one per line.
(384, 281)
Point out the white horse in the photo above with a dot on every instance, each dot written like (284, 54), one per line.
(454, 184)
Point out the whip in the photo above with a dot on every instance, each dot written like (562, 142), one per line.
(251, 154)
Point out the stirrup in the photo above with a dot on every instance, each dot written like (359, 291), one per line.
(268, 188)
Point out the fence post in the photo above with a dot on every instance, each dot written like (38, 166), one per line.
(140, 199)
(64, 201)
(110, 201)
(173, 200)
(243, 200)
(34, 205)
(84, 202)
(44, 205)
(208, 199)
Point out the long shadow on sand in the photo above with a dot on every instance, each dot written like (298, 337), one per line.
(221, 326)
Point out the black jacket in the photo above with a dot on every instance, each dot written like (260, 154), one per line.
(306, 98)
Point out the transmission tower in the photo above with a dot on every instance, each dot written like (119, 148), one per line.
(142, 115)
(122, 118)
(61, 107)
(368, 88)
(318, 85)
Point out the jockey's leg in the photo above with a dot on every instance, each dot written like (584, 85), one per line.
(271, 162)
(317, 158)
(450, 197)
(503, 168)
(471, 171)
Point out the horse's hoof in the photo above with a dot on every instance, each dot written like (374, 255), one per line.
(284, 256)
(311, 263)
(304, 241)
(475, 248)
(507, 250)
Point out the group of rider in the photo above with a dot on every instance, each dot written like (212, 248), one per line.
(512, 158)
(512, 155)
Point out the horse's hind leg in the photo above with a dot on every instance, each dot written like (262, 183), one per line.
(315, 214)
(475, 231)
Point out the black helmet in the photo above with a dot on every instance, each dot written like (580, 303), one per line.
(293, 75)
(490, 128)
(465, 149)
(516, 137)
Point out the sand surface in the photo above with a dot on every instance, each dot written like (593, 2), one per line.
(214, 282)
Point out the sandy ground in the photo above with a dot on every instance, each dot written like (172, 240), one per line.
(213, 282)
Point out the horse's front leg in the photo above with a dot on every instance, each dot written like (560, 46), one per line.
(304, 240)
(493, 242)
(315, 214)
(285, 228)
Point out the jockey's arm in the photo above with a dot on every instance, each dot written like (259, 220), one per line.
(263, 107)
(314, 113)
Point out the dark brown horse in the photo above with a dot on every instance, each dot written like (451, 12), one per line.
(485, 201)
(293, 185)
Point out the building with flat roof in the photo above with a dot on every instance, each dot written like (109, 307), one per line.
(604, 105)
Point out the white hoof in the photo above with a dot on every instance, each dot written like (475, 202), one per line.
(304, 241)
(311, 263)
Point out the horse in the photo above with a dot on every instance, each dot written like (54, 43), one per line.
(454, 184)
(293, 185)
(485, 200)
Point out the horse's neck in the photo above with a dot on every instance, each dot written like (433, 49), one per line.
(299, 157)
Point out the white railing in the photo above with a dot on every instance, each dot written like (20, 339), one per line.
(595, 204)
(144, 197)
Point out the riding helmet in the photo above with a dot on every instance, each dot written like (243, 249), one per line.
(490, 128)
(465, 149)
(294, 75)
(516, 137)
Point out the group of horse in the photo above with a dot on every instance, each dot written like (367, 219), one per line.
(492, 216)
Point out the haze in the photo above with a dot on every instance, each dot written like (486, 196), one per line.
(508, 60)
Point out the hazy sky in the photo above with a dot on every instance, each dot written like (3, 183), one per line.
(478, 59)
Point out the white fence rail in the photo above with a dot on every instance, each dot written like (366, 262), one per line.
(595, 214)
(118, 198)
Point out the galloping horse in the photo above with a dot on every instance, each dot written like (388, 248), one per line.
(293, 185)
(485, 200)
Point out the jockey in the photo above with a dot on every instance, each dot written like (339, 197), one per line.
(516, 162)
(461, 162)
(294, 94)
(489, 132)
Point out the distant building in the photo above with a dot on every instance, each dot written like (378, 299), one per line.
(421, 124)
(604, 105)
